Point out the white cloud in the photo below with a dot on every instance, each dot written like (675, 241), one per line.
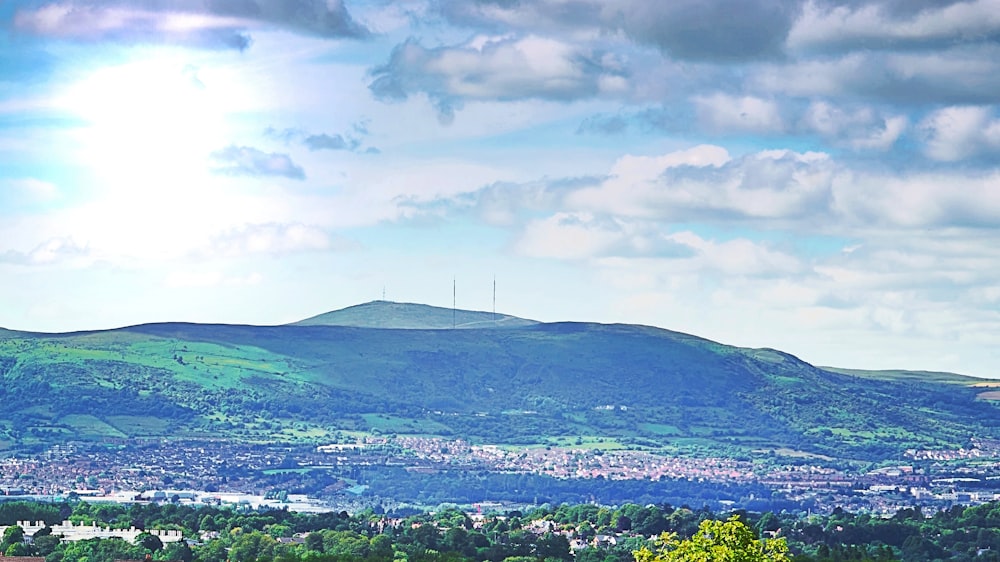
(860, 129)
(871, 25)
(781, 190)
(76, 21)
(50, 252)
(567, 236)
(189, 22)
(732, 114)
(702, 182)
(578, 236)
(583, 236)
(504, 68)
(70, 20)
(274, 239)
(956, 133)
(918, 200)
(249, 161)
(739, 257)
(953, 75)
(884, 138)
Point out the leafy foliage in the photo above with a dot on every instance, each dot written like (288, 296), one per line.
(960, 534)
(716, 541)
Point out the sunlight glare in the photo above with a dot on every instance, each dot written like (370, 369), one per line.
(148, 130)
(148, 123)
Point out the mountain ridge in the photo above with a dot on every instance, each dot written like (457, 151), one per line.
(524, 384)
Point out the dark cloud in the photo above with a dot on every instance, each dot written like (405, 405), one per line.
(223, 24)
(520, 14)
(323, 18)
(898, 8)
(708, 30)
(497, 70)
(248, 161)
(699, 30)
(736, 31)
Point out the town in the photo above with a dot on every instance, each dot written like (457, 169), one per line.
(339, 476)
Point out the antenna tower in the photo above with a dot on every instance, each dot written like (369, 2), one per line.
(494, 301)
(454, 301)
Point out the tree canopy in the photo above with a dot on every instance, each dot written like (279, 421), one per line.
(716, 541)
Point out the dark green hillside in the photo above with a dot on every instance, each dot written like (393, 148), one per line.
(386, 314)
(528, 384)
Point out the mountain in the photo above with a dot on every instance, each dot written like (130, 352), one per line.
(532, 383)
(405, 316)
(916, 376)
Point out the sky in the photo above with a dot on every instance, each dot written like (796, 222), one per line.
(816, 176)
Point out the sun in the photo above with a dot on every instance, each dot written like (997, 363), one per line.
(152, 121)
(143, 132)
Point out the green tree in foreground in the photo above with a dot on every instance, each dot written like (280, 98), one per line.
(716, 541)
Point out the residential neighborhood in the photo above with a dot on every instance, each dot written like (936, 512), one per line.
(336, 476)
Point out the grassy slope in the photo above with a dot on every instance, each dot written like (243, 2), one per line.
(524, 384)
(386, 314)
(914, 376)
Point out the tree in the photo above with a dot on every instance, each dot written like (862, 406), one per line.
(314, 541)
(381, 548)
(178, 551)
(716, 541)
(13, 534)
(44, 545)
(12, 538)
(149, 541)
(553, 546)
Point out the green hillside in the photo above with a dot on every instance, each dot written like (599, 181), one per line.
(386, 314)
(535, 383)
(915, 376)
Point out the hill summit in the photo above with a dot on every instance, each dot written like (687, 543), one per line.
(409, 316)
